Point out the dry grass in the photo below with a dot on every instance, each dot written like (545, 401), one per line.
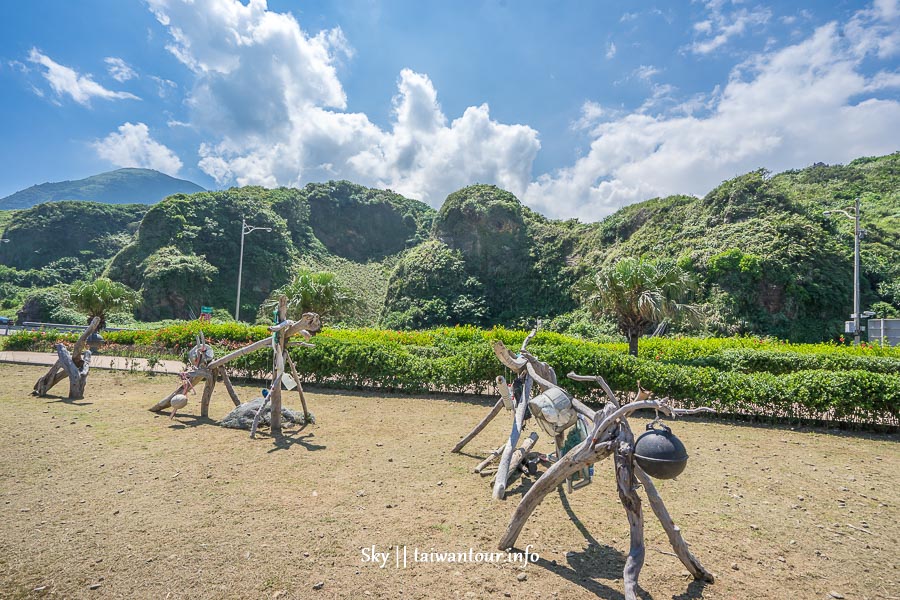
(102, 491)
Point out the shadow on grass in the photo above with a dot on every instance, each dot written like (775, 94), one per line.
(186, 421)
(66, 400)
(287, 440)
(601, 562)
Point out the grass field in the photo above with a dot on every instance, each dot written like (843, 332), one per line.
(102, 493)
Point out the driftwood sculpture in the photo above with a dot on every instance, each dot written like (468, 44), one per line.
(76, 365)
(513, 458)
(611, 435)
(280, 340)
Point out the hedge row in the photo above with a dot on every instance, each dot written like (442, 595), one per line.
(833, 386)
(779, 363)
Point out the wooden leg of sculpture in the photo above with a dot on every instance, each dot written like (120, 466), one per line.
(494, 412)
(258, 416)
(51, 378)
(625, 482)
(672, 530)
(207, 394)
(520, 455)
(275, 396)
(280, 345)
(491, 458)
(296, 377)
(228, 386)
(503, 468)
(578, 458)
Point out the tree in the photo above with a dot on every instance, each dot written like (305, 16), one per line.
(312, 291)
(639, 293)
(100, 297)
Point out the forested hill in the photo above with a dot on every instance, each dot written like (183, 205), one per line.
(766, 260)
(122, 186)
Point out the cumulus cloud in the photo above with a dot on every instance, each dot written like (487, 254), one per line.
(132, 146)
(269, 96)
(118, 69)
(722, 25)
(67, 81)
(791, 107)
(267, 99)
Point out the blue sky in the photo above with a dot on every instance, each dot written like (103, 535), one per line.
(577, 107)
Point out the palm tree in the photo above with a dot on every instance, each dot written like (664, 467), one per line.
(313, 291)
(100, 297)
(639, 293)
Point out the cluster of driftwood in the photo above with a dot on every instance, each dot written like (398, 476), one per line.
(610, 435)
(514, 459)
(75, 365)
(280, 341)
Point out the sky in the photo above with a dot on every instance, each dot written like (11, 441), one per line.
(577, 107)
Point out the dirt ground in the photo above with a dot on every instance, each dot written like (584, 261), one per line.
(102, 499)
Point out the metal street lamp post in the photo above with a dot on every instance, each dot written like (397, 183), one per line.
(245, 229)
(857, 235)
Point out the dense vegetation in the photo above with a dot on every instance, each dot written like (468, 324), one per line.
(122, 186)
(764, 258)
(740, 375)
(88, 232)
(768, 260)
(59, 243)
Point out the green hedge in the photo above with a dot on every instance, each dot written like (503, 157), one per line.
(822, 382)
(778, 363)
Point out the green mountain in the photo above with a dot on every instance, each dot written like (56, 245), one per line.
(186, 251)
(491, 260)
(122, 186)
(766, 259)
(88, 231)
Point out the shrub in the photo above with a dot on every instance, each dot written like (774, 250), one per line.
(733, 375)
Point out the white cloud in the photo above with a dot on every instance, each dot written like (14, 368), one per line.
(645, 72)
(132, 146)
(164, 87)
(268, 95)
(118, 69)
(66, 81)
(610, 50)
(787, 108)
(267, 98)
(715, 31)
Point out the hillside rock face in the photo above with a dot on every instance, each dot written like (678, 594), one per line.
(186, 252)
(509, 262)
(122, 186)
(363, 224)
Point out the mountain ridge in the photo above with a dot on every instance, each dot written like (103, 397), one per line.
(120, 186)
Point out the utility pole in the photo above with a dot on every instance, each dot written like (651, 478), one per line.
(857, 235)
(245, 229)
